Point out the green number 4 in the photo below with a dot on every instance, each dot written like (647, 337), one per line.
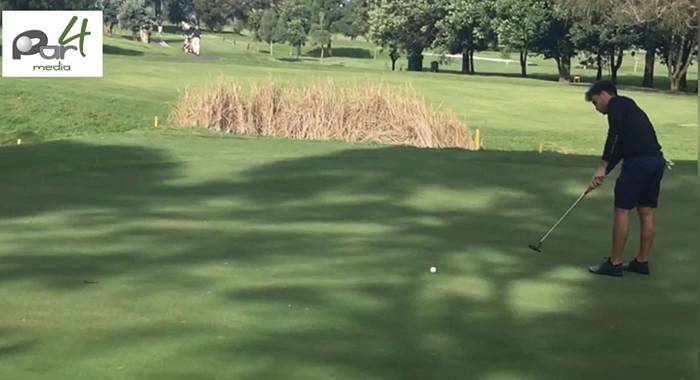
(83, 33)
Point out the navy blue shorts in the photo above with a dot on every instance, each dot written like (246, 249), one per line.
(639, 182)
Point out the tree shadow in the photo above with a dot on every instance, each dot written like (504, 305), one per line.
(174, 41)
(10, 346)
(342, 52)
(115, 50)
(533, 76)
(628, 81)
(289, 59)
(328, 253)
(128, 37)
(172, 29)
(200, 58)
(661, 84)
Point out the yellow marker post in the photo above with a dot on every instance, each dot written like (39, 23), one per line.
(155, 121)
(540, 148)
(477, 138)
(19, 141)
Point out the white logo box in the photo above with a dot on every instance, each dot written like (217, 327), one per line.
(52, 24)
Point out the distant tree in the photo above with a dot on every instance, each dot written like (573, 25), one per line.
(137, 17)
(408, 25)
(465, 29)
(519, 23)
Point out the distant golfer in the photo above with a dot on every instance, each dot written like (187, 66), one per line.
(196, 38)
(631, 138)
(187, 42)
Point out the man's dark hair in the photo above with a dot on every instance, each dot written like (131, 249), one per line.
(598, 87)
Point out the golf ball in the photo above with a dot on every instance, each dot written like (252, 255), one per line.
(24, 44)
(433, 269)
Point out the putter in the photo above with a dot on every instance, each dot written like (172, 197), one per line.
(538, 247)
(669, 163)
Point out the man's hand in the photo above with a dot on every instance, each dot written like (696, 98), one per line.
(596, 182)
(598, 178)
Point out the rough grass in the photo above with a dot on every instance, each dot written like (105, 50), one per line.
(321, 111)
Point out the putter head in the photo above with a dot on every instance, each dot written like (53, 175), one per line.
(537, 248)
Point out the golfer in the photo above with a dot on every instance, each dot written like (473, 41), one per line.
(632, 140)
(195, 38)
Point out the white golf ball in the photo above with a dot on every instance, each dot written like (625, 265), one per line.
(24, 44)
(433, 269)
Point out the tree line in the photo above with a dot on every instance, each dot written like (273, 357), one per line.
(597, 33)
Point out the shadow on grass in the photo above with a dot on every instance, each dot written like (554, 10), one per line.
(342, 52)
(533, 76)
(11, 347)
(174, 41)
(329, 254)
(115, 50)
(661, 84)
(172, 29)
(287, 59)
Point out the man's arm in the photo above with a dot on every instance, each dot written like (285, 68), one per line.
(612, 152)
(599, 175)
(608, 161)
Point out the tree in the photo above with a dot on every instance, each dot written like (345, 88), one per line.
(110, 13)
(266, 32)
(280, 32)
(646, 17)
(297, 16)
(354, 20)
(238, 25)
(214, 13)
(671, 28)
(47, 5)
(464, 30)
(296, 34)
(134, 15)
(320, 36)
(650, 38)
(180, 10)
(677, 54)
(616, 38)
(585, 34)
(598, 31)
(254, 21)
(157, 6)
(556, 42)
(405, 24)
(242, 9)
(394, 56)
(519, 23)
(324, 15)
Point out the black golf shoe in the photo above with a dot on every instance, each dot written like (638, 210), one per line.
(636, 266)
(606, 268)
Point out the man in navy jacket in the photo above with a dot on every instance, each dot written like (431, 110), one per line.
(632, 140)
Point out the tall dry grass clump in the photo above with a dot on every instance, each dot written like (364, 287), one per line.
(323, 112)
